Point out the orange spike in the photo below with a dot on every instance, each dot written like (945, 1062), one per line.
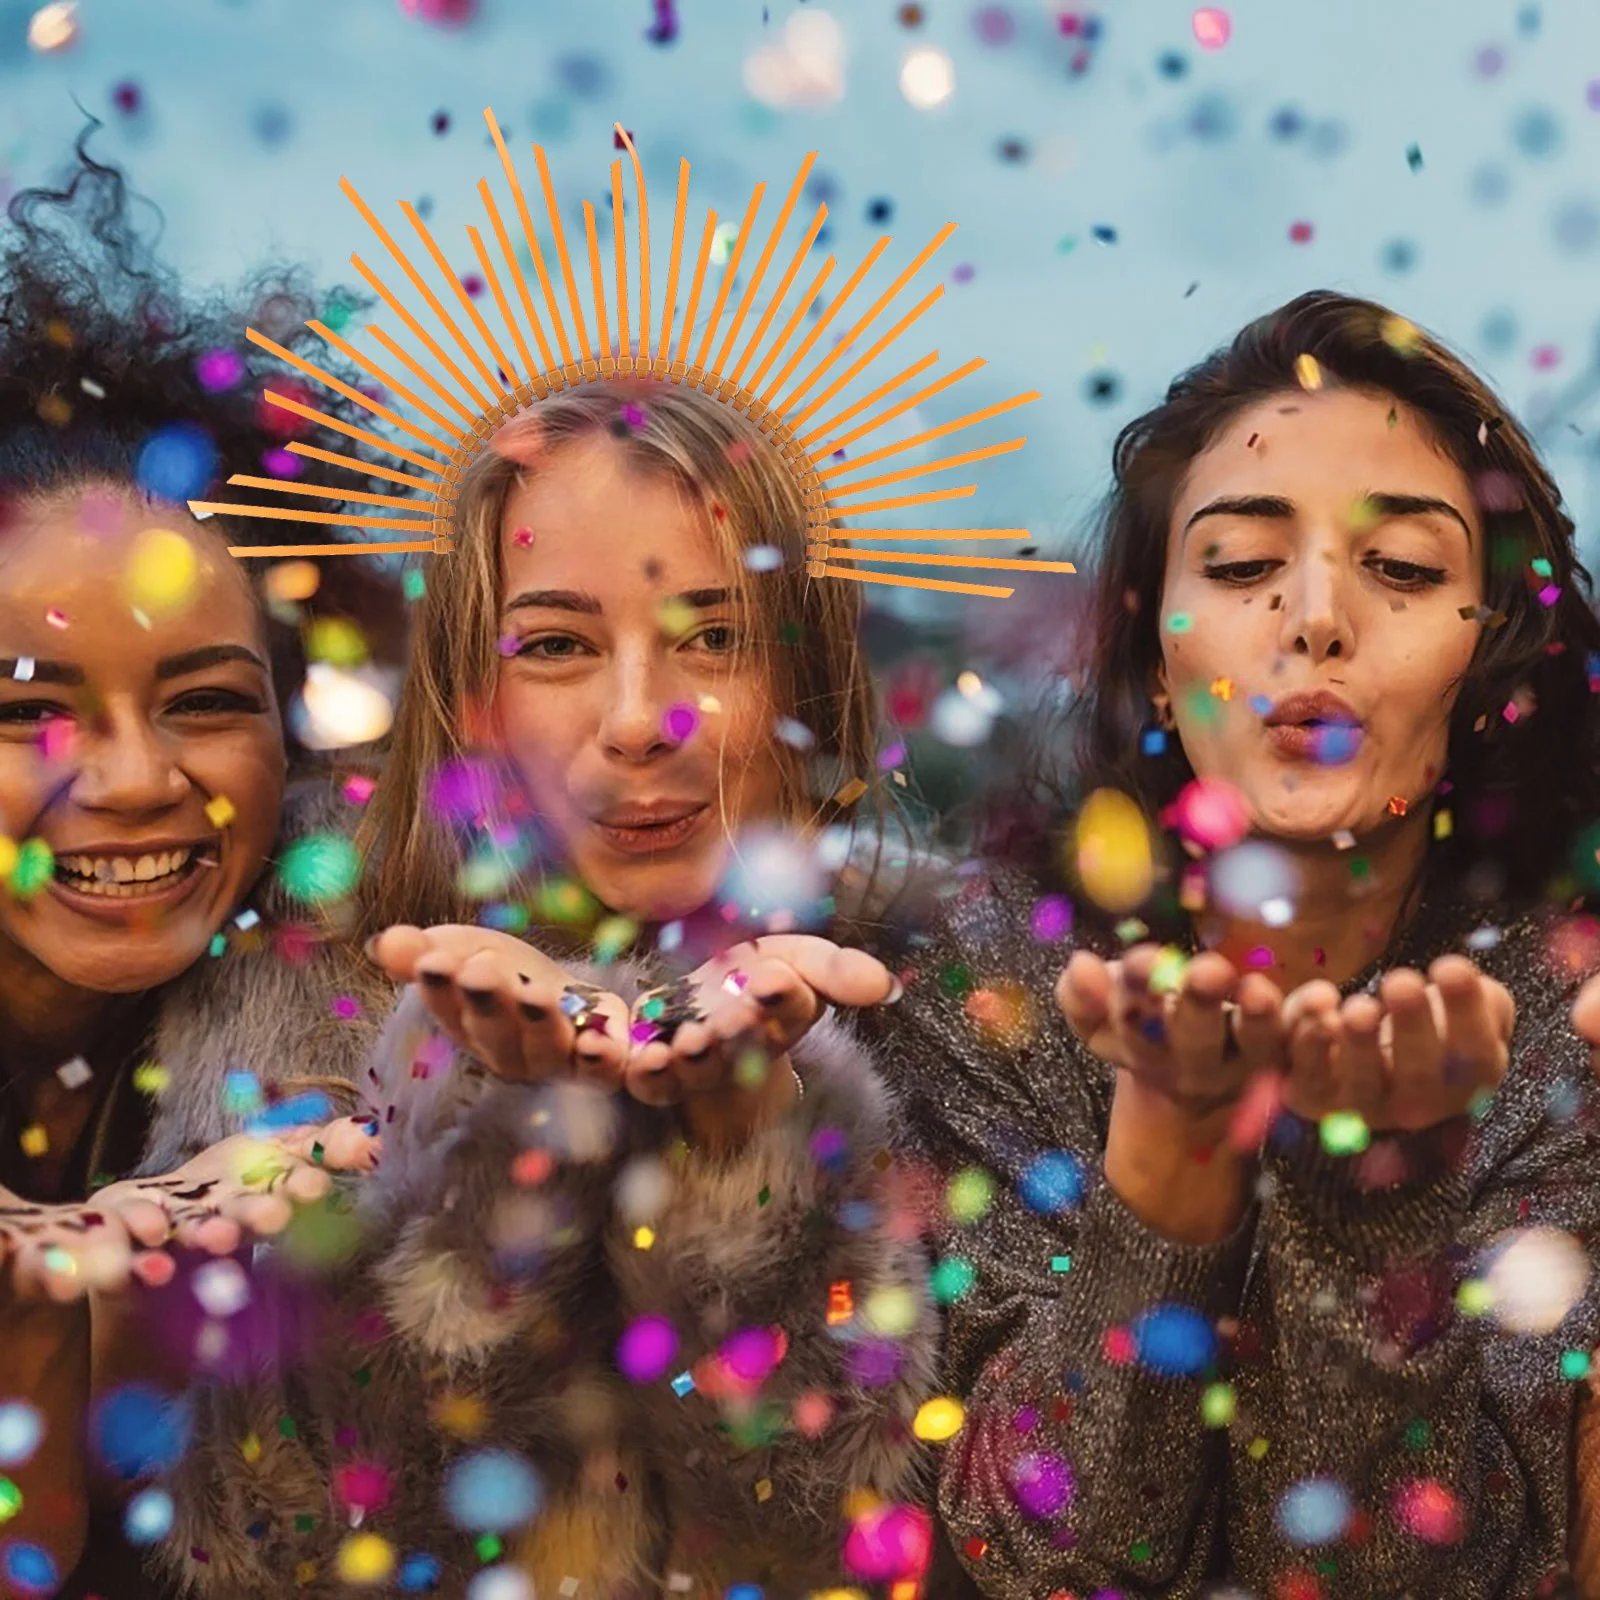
(246, 551)
(420, 372)
(284, 403)
(388, 380)
(730, 272)
(644, 245)
(695, 287)
(795, 319)
(338, 387)
(533, 241)
(930, 434)
(492, 278)
(927, 497)
(319, 491)
(421, 334)
(599, 285)
(916, 266)
(883, 389)
(910, 402)
(915, 558)
(474, 316)
(837, 535)
(840, 300)
(672, 264)
(295, 514)
(560, 236)
(365, 467)
(778, 298)
(946, 464)
(821, 569)
(861, 363)
(514, 267)
(619, 239)
(778, 227)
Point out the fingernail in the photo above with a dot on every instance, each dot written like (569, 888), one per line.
(369, 947)
(768, 999)
(434, 980)
(531, 1011)
(896, 993)
(481, 1000)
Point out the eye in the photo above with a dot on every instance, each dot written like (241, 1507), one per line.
(552, 647)
(716, 638)
(1405, 574)
(1240, 573)
(216, 702)
(30, 713)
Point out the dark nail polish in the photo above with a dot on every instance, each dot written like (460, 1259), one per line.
(434, 980)
(481, 1000)
(532, 1012)
(769, 999)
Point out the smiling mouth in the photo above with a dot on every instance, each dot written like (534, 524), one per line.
(133, 877)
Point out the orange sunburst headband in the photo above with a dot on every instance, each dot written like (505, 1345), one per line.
(775, 392)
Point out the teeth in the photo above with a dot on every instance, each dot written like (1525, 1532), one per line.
(118, 877)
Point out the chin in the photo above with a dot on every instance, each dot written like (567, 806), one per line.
(125, 969)
(655, 893)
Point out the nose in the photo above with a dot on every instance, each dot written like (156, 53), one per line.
(637, 697)
(1316, 618)
(124, 765)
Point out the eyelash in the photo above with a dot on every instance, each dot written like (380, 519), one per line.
(1415, 575)
(222, 702)
(529, 649)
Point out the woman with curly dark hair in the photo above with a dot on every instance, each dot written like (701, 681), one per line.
(1287, 1270)
(144, 672)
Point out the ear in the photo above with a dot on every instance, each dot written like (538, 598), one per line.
(1158, 682)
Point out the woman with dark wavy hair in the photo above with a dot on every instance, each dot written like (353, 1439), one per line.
(143, 771)
(1293, 1218)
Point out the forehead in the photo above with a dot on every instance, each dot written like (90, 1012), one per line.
(74, 568)
(589, 520)
(1336, 443)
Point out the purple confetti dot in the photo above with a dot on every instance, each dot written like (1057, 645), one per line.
(875, 1363)
(1052, 919)
(1042, 1485)
(679, 723)
(994, 25)
(646, 1349)
(219, 370)
(1491, 61)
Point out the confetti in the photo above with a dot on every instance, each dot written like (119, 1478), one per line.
(1535, 1278)
(75, 1073)
(646, 1349)
(492, 1491)
(927, 78)
(53, 27)
(1112, 851)
(220, 811)
(22, 1429)
(1314, 1512)
(365, 1559)
(939, 1419)
(1212, 27)
(1307, 373)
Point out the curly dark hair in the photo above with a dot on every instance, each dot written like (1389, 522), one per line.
(100, 348)
(1523, 789)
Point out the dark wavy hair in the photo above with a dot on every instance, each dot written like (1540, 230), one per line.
(99, 348)
(1522, 789)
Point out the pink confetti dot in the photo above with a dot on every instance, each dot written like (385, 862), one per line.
(57, 738)
(473, 284)
(1052, 919)
(1259, 956)
(1213, 27)
(1119, 1346)
(1592, 94)
(994, 25)
(281, 464)
(358, 790)
(56, 617)
(1490, 61)
(1301, 232)
(1546, 356)
(219, 370)
(1550, 594)
(679, 723)
(522, 538)
(346, 1006)
(646, 1349)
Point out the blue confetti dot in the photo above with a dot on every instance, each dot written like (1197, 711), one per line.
(744, 1591)
(1286, 123)
(1575, 226)
(584, 76)
(1172, 64)
(21, 1429)
(1052, 1183)
(1489, 184)
(176, 462)
(1174, 1341)
(1399, 255)
(1536, 132)
(1328, 139)
(1153, 742)
(1103, 233)
(30, 1569)
(1315, 1511)
(492, 1492)
(312, 1108)
(271, 124)
(1499, 331)
(1211, 119)
(139, 1430)
(419, 1572)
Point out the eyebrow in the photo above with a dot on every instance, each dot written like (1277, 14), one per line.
(1275, 507)
(70, 675)
(588, 605)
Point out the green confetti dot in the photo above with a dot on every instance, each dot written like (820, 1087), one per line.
(362, 1376)
(217, 947)
(955, 980)
(1139, 1550)
(489, 1547)
(1061, 1263)
(951, 1280)
(320, 868)
(1541, 565)
(764, 1196)
(304, 1522)
(414, 584)
(789, 633)
(969, 1195)
(1574, 1365)
(1344, 1133)
(288, 1427)
(10, 1499)
(1179, 622)
(1474, 1298)
(1419, 1433)
(35, 867)
(1218, 1405)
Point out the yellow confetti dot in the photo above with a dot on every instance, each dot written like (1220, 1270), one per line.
(220, 811)
(643, 1238)
(35, 1141)
(162, 572)
(969, 684)
(1222, 688)
(365, 1558)
(891, 1312)
(1443, 824)
(1112, 844)
(53, 27)
(459, 1415)
(336, 641)
(148, 1078)
(675, 618)
(1257, 1449)
(938, 1420)
(763, 1489)
(8, 856)
(1307, 373)
(850, 793)
(1168, 972)
(250, 1448)
(304, 1572)
(1399, 334)
(709, 705)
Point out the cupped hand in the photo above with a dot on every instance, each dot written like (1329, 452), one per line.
(1586, 1019)
(243, 1187)
(1415, 1054)
(504, 1002)
(727, 1062)
(1195, 1042)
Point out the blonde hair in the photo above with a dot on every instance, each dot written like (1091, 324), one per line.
(803, 631)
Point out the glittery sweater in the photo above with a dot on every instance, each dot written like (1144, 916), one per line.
(1363, 1435)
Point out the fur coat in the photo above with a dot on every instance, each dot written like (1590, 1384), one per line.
(565, 1342)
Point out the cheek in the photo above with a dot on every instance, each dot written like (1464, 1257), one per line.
(24, 788)
(540, 730)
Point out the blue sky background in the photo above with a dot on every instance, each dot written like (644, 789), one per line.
(1194, 165)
